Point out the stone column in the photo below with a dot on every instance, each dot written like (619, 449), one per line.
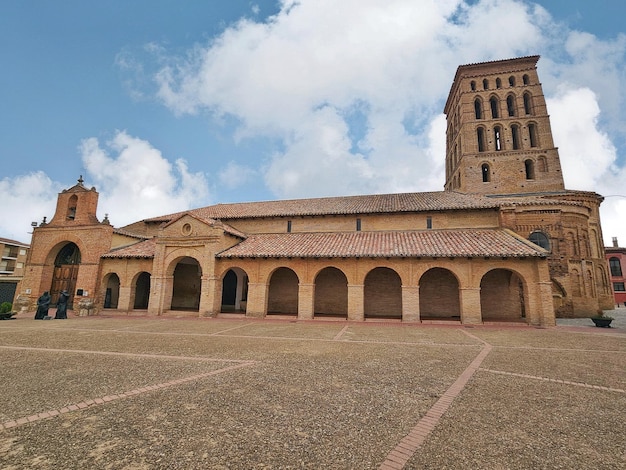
(306, 302)
(123, 302)
(470, 305)
(257, 300)
(356, 302)
(207, 297)
(410, 303)
(160, 294)
(540, 312)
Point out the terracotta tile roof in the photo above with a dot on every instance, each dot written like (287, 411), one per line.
(492, 243)
(142, 249)
(368, 204)
(127, 233)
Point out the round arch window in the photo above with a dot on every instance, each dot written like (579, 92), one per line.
(540, 239)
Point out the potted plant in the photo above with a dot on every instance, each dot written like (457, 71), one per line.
(601, 320)
(5, 311)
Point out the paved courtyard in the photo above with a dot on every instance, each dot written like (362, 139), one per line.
(233, 393)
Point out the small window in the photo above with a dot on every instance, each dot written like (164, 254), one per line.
(616, 267)
(289, 226)
(530, 169)
(511, 80)
(429, 222)
(540, 239)
(486, 173)
(528, 105)
(526, 80)
(480, 134)
(473, 85)
(497, 137)
(485, 84)
(498, 83)
(358, 225)
(478, 109)
(515, 136)
(493, 102)
(532, 133)
(510, 105)
(619, 287)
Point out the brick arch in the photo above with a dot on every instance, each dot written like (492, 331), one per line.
(331, 293)
(140, 290)
(502, 295)
(439, 294)
(382, 293)
(233, 290)
(186, 283)
(111, 290)
(282, 297)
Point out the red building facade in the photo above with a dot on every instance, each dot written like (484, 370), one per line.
(616, 257)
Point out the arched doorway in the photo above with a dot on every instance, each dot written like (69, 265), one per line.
(382, 294)
(283, 292)
(331, 293)
(112, 291)
(142, 291)
(187, 285)
(234, 290)
(502, 296)
(66, 265)
(439, 295)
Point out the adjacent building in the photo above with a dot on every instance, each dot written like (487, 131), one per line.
(616, 257)
(11, 267)
(504, 241)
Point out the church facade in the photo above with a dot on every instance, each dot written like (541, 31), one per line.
(504, 241)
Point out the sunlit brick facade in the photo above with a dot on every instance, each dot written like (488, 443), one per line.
(503, 242)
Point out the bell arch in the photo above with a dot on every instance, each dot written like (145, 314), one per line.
(439, 295)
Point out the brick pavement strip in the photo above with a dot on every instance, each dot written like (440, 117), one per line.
(432, 416)
(109, 398)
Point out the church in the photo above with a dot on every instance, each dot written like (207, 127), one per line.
(504, 241)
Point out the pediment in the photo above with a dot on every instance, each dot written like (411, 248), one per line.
(189, 225)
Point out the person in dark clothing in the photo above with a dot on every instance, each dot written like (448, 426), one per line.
(62, 306)
(43, 303)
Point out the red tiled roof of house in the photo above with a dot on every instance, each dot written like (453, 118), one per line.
(142, 249)
(368, 204)
(493, 243)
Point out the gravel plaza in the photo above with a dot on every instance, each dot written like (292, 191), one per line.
(120, 392)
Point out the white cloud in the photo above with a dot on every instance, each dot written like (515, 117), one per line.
(586, 152)
(588, 157)
(25, 199)
(299, 76)
(138, 181)
(235, 175)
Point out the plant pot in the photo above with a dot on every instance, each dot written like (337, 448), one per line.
(602, 322)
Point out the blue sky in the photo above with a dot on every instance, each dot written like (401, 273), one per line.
(165, 105)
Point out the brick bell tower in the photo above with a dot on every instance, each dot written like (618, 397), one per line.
(498, 137)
